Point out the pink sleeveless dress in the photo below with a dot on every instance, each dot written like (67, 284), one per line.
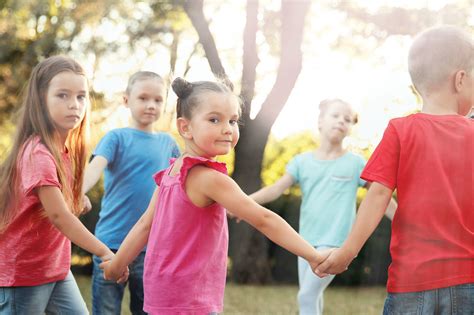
(186, 257)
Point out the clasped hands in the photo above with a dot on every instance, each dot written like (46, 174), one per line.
(110, 273)
(334, 261)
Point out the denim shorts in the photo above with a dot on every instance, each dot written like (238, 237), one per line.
(455, 300)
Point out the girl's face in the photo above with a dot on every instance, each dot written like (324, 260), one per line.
(145, 102)
(336, 121)
(67, 99)
(213, 128)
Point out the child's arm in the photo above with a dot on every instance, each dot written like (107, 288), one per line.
(368, 217)
(93, 172)
(391, 208)
(223, 190)
(58, 213)
(132, 245)
(272, 192)
(392, 205)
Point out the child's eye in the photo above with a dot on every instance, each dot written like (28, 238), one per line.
(62, 96)
(81, 97)
(214, 120)
(159, 101)
(233, 122)
(141, 98)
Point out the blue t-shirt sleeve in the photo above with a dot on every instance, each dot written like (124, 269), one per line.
(108, 147)
(293, 169)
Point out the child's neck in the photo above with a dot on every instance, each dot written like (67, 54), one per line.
(439, 103)
(329, 150)
(145, 128)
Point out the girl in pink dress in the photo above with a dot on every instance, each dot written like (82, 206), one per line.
(185, 224)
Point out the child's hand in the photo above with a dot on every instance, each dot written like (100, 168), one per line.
(111, 273)
(321, 256)
(338, 261)
(87, 204)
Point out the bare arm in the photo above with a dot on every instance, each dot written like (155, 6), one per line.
(58, 213)
(133, 244)
(223, 190)
(93, 172)
(391, 208)
(272, 192)
(368, 217)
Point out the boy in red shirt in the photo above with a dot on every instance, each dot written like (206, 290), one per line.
(428, 157)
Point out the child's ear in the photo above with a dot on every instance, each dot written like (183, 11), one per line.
(184, 128)
(460, 80)
(125, 100)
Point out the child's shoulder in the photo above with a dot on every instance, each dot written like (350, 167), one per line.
(355, 156)
(34, 145)
(190, 162)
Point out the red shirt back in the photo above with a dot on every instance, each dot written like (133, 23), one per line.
(429, 160)
(32, 250)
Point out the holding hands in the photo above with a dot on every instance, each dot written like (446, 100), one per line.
(111, 272)
(336, 260)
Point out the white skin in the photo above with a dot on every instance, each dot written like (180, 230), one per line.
(213, 130)
(335, 123)
(66, 100)
(454, 96)
(145, 102)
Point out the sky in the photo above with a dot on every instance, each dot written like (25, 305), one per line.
(376, 84)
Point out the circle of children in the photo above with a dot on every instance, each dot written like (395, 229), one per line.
(177, 211)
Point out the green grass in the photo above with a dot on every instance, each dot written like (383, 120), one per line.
(281, 299)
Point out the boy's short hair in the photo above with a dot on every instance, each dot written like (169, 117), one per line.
(438, 52)
(141, 75)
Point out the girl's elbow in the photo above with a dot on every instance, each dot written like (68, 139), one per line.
(263, 221)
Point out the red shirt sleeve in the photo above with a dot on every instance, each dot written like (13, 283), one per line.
(382, 166)
(37, 168)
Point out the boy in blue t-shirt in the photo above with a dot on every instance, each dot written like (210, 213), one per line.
(129, 156)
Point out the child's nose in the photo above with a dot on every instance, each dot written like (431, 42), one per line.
(151, 104)
(74, 104)
(227, 129)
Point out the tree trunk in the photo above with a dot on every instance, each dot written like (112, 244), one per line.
(249, 249)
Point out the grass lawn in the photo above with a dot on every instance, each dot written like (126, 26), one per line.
(280, 299)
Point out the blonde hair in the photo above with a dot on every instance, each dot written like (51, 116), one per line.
(324, 105)
(139, 76)
(438, 52)
(34, 120)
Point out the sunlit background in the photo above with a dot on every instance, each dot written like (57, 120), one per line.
(370, 73)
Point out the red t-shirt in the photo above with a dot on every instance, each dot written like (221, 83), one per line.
(429, 160)
(32, 250)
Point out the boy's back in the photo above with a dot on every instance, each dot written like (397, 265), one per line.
(429, 160)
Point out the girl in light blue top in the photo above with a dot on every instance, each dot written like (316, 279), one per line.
(329, 178)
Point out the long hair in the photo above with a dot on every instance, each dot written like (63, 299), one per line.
(34, 121)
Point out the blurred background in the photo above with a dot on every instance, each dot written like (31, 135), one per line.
(283, 58)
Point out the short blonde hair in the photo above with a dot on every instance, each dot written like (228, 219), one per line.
(437, 53)
(324, 105)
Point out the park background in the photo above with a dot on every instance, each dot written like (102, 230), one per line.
(283, 58)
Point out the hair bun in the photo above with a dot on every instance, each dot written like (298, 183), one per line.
(181, 87)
